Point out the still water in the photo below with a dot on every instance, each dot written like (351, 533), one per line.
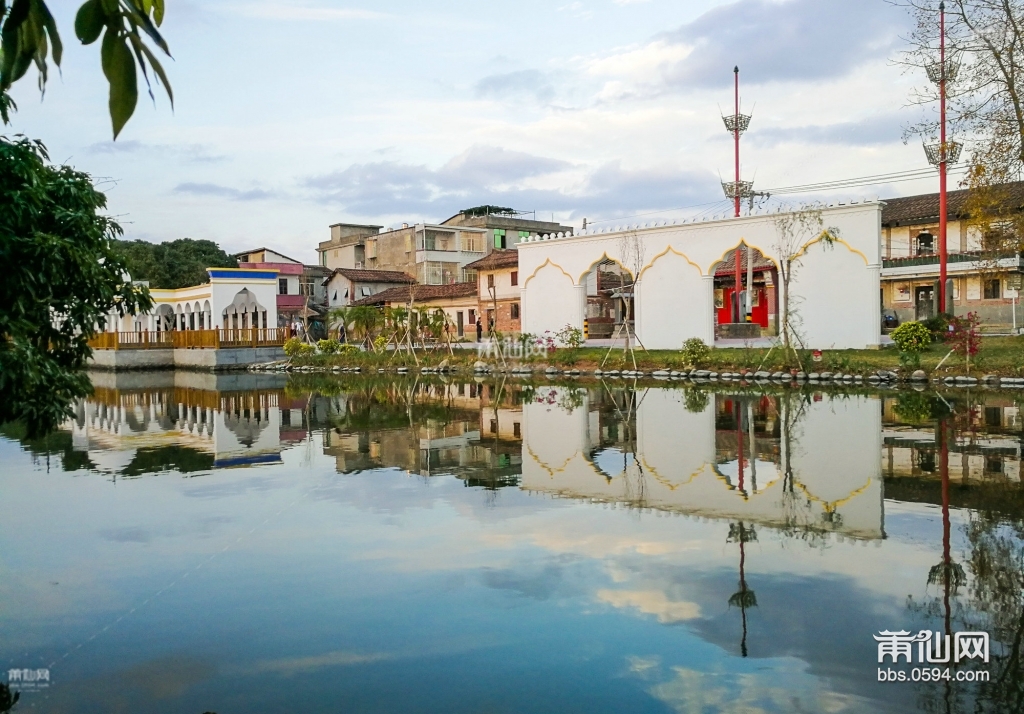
(245, 543)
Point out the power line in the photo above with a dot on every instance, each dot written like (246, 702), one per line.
(857, 182)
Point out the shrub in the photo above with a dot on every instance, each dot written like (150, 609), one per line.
(571, 339)
(938, 326)
(696, 352)
(964, 337)
(912, 337)
(294, 347)
(328, 347)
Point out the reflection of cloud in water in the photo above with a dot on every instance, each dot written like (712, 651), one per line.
(783, 688)
(651, 602)
(290, 666)
(757, 476)
(610, 462)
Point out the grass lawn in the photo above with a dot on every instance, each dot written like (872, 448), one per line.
(999, 355)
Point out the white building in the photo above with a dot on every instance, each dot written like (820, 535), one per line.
(235, 298)
(835, 287)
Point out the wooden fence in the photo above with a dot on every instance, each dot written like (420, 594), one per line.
(190, 339)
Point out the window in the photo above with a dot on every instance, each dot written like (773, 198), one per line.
(515, 277)
(490, 280)
(335, 298)
(499, 237)
(345, 294)
(515, 311)
(365, 291)
(903, 294)
(992, 289)
(472, 316)
(472, 243)
(494, 426)
(925, 244)
(523, 235)
(517, 431)
(282, 286)
(993, 416)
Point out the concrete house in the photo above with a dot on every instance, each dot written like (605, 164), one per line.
(983, 281)
(458, 300)
(435, 254)
(498, 291)
(299, 286)
(346, 285)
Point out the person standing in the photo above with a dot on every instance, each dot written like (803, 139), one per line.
(479, 330)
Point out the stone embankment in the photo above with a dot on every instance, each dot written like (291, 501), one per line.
(880, 378)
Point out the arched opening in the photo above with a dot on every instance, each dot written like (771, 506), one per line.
(207, 316)
(244, 311)
(611, 304)
(754, 313)
(164, 318)
(190, 317)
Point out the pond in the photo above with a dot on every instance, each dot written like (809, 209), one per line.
(255, 543)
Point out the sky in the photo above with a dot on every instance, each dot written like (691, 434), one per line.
(293, 115)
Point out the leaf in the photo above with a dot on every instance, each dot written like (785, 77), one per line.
(89, 21)
(46, 19)
(119, 66)
(158, 12)
(157, 69)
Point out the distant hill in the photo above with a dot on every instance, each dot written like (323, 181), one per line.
(174, 264)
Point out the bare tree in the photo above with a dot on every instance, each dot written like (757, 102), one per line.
(793, 231)
(631, 254)
(984, 77)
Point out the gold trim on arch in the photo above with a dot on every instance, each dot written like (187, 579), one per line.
(837, 239)
(743, 241)
(662, 254)
(542, 266)
(604, 256)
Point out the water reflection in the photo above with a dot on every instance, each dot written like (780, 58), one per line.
(715, 549)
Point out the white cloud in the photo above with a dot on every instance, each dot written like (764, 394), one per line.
(305, 12)
(651, 602)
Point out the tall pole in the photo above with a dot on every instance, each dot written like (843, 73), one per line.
(736, 140)
(942, 158)
(738, 311)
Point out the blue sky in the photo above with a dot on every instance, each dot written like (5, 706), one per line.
(290, 116)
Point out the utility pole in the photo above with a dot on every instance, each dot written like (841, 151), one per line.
(946, 152)
(737, 189)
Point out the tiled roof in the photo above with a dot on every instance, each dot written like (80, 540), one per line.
(912, 210)
(420, 293)
(728, 264)
(496, 259)
(374, 276)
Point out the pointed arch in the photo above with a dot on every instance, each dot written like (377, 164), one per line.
(741, 244)
(826, 235)
(668, 251)
(544, 265)
(604, 258)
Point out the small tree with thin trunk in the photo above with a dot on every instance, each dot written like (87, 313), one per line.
(794, 232)
(631, 253)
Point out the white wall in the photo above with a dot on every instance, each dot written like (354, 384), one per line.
(839, 288)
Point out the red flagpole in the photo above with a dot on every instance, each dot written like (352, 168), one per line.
(942, 156)
(736, 198)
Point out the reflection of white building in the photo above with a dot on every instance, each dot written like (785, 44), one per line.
(233, 428)
(832, 452)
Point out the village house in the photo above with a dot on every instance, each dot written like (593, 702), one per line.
(435, 254)
(301, 293)
(498, 291)
(346, 285)
(985, 281)
(457, 300)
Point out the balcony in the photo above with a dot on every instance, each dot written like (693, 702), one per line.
(1002, 260)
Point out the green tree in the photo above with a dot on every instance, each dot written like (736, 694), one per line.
(173, 264)
(28, 36)
(62, 278)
